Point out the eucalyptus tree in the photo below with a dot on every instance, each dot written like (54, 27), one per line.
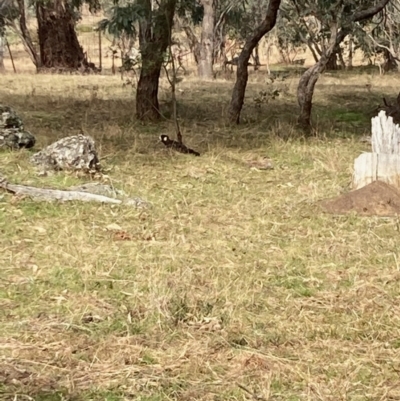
(2, 47)
(215, 17)
(4, 16)
(382, 36)
(58, 40)
(252, 40)
(200, 12)
(152, 23)
(290, 35)
(12, 15)
(154, 38)
(206, 45)
(328, 22)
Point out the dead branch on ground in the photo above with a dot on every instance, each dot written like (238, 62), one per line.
(44, 194)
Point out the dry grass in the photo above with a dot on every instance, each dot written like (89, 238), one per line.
(234, 278)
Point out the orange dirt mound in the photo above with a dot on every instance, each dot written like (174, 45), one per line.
(375, 199)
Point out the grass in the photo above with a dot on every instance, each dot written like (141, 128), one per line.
(233, 283)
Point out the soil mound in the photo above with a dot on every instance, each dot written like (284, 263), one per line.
(375, 199)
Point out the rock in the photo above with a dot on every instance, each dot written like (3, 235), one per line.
(16, 139)
(76, 152)
(12, 133)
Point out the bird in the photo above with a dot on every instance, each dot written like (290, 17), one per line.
(178, 146)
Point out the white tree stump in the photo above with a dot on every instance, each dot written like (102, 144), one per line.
(383, 163)
(370, 167)
(385, 136)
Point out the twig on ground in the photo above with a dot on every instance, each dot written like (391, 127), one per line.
(255, 396)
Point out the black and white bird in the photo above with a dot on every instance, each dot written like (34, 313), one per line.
(178, 146)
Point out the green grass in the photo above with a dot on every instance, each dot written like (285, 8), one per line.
(233, 278)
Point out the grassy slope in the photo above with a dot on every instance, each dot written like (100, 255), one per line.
(233, 277)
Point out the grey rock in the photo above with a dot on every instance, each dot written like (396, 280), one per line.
(76, 152)
(12, 132)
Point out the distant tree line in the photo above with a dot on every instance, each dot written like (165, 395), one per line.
(325, 27)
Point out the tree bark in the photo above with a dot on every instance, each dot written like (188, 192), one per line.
(256, 58)
(25, 35)
(341, 60)
(305, 89)
(350, 61)
(205, 65)
(305, 92)
(334, 60)
(58, 42)
(313, 51)
(154, 38)
(2, 47)
(332, 64)
(147, 106)
(193, 43)
(390, 63)
(242, 72)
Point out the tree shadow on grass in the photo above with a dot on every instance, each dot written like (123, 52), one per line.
(339, 111)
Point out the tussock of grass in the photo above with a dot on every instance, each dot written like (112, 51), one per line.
(234, 276)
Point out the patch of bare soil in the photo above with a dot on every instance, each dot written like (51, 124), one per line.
(375, 199)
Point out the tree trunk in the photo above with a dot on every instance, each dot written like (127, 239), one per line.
(242, 73)
(350, 61)
(341, 59)
(390, 63)
(313, 51)
(25, 35)
(268, 55)
(332, 65)
(256, 58)
(336, 56)
(284, 58)
(193, 43)
(147, 106)
(205, 66)
(219, 45)
(2, 47)
(154, 38)
(59, 45)
(305, 90)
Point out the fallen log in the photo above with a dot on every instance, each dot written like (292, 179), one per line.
(44, 194)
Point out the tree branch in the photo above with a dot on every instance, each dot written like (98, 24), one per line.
(44, 194)
(360, 16)
(370, 12)
(222, 16)
(193, 42)
(383, 47)
(267, 24)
